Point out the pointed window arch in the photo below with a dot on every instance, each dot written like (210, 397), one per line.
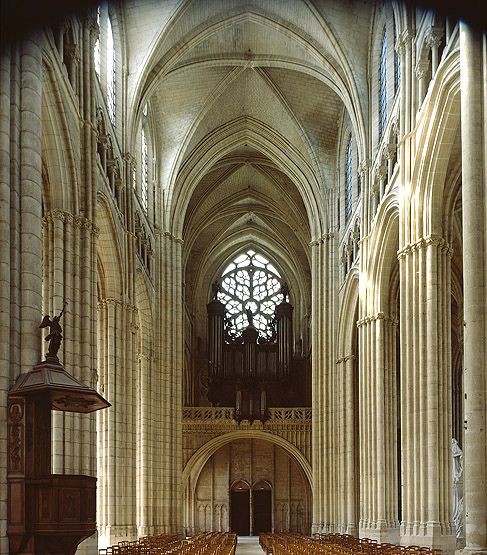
(110, 72)
(144, 188)
(383, 84)
(397, 63)
(96, 50)
(348, 179)
(250, 283)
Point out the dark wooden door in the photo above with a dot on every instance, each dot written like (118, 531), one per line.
(240, 512)
(262, 505)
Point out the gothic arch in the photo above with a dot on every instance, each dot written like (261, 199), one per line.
(434, 147)
(384, 246)
(334, 69)
(62, 187)
(217, 260)
(198, 460)
(223, 141)
(109, 251)
(346, 320)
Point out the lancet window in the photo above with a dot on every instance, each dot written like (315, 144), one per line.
(110, 73)
(383, 85)
(144, 189)
(104, 53)
(348, 180)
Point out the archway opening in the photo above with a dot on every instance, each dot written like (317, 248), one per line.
(261, 508)
(240, 508)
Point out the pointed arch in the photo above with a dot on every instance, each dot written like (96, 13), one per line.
(236, 133)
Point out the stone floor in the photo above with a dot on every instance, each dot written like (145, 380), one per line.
(248, 545)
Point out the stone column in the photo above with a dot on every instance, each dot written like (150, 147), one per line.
(323, 314)
(170, 364)
(30, 193)
(20, 225)
(426, 393)
(68, 245)
(378, 468)
(366, 209)
(434, 41)
(116, 425)
(347, 451)
(473, 72)
(145, 431)
(5, 253)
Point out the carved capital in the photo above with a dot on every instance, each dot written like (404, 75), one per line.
(435, 36)
(364, 165)
(421, 68)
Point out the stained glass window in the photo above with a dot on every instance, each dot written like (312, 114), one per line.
(348, 180)
(397, 63)
(96, 50)
(383, 85)
(252, 283)
(145, 173)
(110, 72)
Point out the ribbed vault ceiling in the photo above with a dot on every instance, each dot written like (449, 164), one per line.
(291, 68)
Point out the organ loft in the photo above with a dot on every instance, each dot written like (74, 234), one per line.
(252, 363)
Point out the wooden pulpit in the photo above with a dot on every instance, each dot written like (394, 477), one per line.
(47, 513)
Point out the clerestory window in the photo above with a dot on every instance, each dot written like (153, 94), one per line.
(348, 180)
(250, 289)
(383, 85)
(110, 72)
(144, 189)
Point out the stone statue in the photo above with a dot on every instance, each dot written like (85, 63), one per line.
(457, 472)
(55, 335)
(285, 291)
(250, 316)
(215, 289)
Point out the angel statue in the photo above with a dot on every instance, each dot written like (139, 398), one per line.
(55, 335)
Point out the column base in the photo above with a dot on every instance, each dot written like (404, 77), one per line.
(382, 532)
(316, 528)
(145, 530)
(469, 551)
(430, 535)
(111, 535)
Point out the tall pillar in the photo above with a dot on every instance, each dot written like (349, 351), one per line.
(5, 115)
(378, 467)
(170, 363)
(473, 73)
(425, 269)
(323, 315)
(116, 426)
(20, 225)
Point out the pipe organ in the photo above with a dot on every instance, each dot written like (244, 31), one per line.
(252, 372)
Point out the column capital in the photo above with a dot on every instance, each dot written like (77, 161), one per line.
(421, 68)
(434, 37)
(424, 242)
(364, 165)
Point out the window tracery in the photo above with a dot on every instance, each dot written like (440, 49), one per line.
(110, 72)
(144, 189)
(251, 287)
(348, 180)
(383, 84)
(97, 51)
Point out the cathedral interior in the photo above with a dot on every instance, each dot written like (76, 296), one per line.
(257, 232)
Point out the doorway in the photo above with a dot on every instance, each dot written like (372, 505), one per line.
(240, 508)
(262, 509)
